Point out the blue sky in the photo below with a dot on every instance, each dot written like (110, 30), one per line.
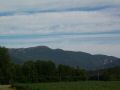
(81, 25)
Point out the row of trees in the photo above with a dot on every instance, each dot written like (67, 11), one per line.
(110, 74)
(46, 71)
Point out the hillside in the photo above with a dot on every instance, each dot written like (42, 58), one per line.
(59, 56)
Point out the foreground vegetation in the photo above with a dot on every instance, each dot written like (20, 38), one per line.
(83, 85)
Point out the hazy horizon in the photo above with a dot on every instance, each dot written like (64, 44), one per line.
(91, 26)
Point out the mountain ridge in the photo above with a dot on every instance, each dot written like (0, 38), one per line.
(59, 56)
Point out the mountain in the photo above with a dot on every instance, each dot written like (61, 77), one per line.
(59, 56)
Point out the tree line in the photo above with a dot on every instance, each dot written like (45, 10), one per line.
(47, 71)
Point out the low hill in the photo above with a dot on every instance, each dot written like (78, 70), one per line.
(59, 56)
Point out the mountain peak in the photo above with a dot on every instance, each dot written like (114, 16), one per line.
(41, 47)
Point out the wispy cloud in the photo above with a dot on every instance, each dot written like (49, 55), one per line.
(62, 22)
(39, 10)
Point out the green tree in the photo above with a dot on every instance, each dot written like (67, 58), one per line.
(65, 72)
(79, 74)
(5, 66)
(29, 71)
(45, 70)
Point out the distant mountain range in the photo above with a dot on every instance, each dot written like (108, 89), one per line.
(59, 56)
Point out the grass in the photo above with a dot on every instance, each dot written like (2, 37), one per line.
(85, 85)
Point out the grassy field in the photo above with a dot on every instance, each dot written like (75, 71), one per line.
(85, 85)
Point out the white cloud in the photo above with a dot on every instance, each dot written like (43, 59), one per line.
(55, 22)
(18, 5)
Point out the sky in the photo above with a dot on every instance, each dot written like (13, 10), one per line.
(91, 26)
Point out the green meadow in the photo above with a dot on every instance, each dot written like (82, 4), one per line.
(83, 85)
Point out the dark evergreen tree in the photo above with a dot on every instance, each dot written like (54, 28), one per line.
(5, 66)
